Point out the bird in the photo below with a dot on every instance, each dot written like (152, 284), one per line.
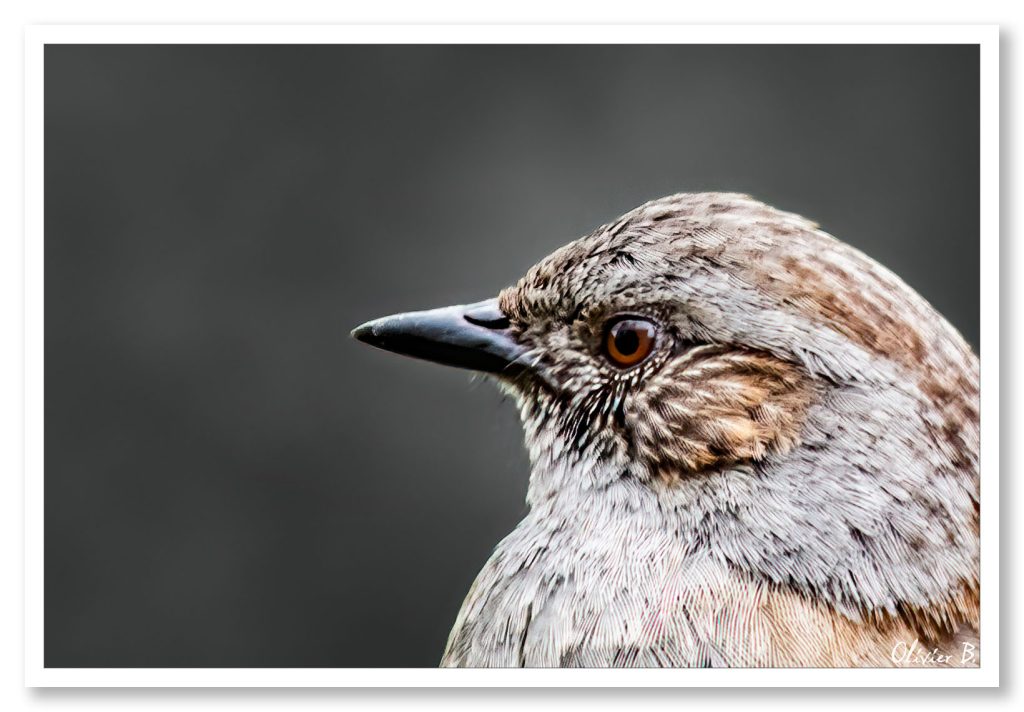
(750, 445)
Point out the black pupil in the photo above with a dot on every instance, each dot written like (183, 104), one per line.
(627, 340)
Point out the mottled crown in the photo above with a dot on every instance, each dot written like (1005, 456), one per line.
(806, 414)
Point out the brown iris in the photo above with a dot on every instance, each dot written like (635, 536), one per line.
(629, 340)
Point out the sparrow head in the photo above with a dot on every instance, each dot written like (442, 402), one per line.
(791, 400)
(692, 334)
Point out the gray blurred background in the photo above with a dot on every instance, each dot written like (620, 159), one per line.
(231, 480)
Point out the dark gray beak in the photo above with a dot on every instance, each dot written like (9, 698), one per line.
(474, 336)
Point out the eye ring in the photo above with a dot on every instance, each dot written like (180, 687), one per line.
(629, 340)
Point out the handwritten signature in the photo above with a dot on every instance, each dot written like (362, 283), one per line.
(914, 654)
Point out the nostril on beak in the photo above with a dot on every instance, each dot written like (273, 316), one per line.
(486, 314)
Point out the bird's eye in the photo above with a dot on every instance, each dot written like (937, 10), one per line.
(629, 340)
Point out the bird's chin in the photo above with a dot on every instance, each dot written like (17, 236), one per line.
(525, 383)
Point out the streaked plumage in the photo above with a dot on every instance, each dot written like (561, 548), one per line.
(789, 479)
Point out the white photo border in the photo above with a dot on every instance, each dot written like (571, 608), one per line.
(36, 39)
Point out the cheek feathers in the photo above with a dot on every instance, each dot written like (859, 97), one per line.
(724, 408)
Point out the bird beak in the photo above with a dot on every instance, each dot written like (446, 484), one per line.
(474, 336)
